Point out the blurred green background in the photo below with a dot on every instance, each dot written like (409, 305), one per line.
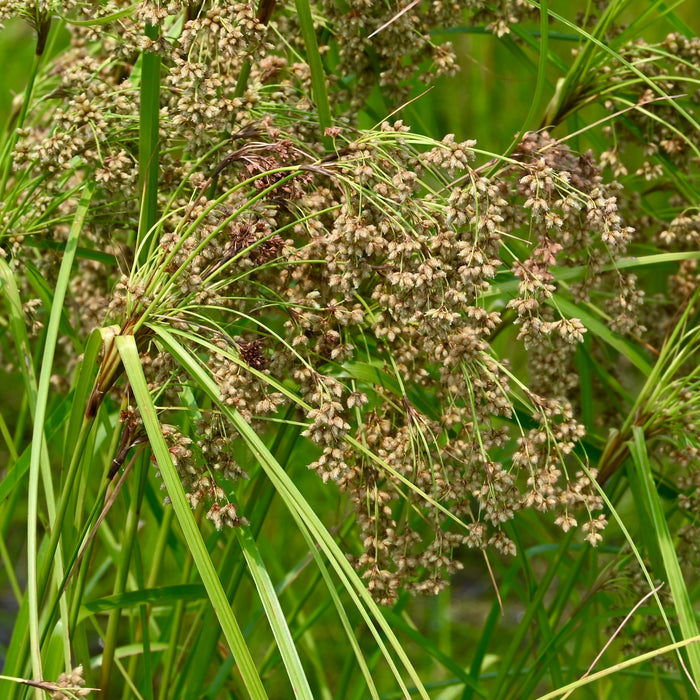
(16, 54)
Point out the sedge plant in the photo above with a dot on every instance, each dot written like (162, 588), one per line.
(307, 397)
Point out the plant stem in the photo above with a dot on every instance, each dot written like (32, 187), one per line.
(130, 529)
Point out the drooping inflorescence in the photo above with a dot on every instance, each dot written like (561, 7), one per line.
(368, 286)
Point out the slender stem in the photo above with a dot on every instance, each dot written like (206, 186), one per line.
(156, 561)
(36, 583)
(168, 663)
(130, 529)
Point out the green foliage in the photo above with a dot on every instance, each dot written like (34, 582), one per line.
(306, 392)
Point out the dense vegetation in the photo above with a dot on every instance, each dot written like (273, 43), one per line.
(318, 382)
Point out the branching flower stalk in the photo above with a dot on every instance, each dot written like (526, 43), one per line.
(164, 302)
(161, 289)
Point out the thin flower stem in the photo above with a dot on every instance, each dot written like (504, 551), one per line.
(127, 546)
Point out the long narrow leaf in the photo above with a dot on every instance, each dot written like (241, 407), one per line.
(274, 613)
(232, 631)
(38, 439)
(681, 597)
(318, 76)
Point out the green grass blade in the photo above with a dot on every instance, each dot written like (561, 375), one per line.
(275, 616)
(38, 439)
(44, 291)
(232, 631)
(149, 119)
(13, 304)
(541, 76)
(342, 613)
(681, 596)
(435, 652)
(535, 599)
(318, 75)
(85, 376)
(603, 333)
(151, 596)
(617, 668)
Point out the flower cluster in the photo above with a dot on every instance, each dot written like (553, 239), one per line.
(388, 44)
(200, 483)
(369, 287)
(70, 685)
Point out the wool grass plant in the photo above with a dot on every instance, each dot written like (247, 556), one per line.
(307, 398)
